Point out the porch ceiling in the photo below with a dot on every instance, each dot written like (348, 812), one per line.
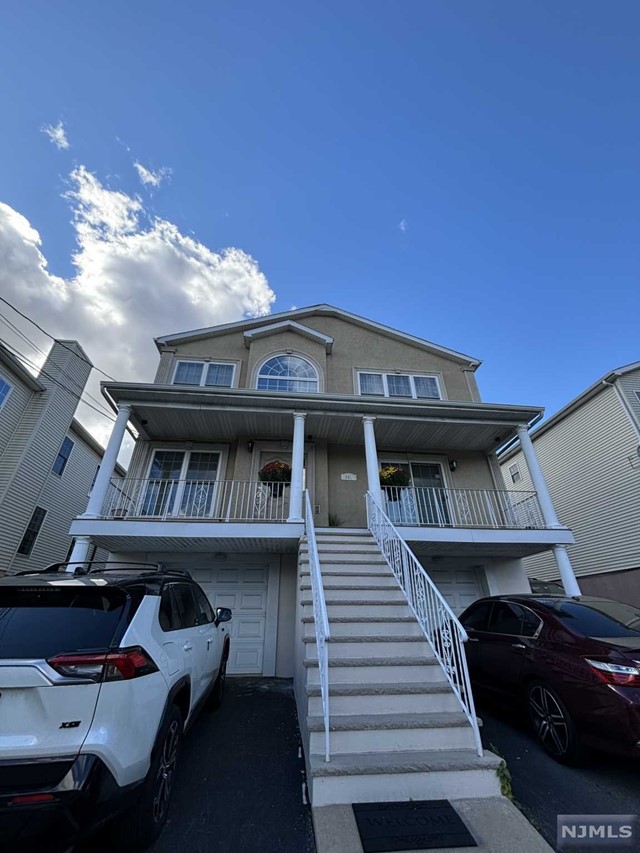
(167, 413)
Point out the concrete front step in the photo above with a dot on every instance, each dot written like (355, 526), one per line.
(412, 775)
(350, 570)
(364, 606)
(342, 559)
(375, 647)
(359, 594)
(350, 627)
(400, 698)
(349, 580)
(372, 670)
(392, 733)
(346, 546)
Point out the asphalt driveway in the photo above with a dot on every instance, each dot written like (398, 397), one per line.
(543, 789)
(240, 780)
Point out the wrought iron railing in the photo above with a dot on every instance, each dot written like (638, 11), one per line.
(441, 627)
(320, 618)
(422, 506)
(207, 500)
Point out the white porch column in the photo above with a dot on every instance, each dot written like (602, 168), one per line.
(548, 510)
(297, 468)
(108, 464)
(537, 477)
(371, 456)
(568, 578)
(79, 552)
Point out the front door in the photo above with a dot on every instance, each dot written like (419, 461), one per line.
(181, 483)
(430, 497)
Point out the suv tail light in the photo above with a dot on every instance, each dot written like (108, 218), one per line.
(120, 665)
(623, 675)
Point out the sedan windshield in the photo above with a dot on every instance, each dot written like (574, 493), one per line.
(599, 618)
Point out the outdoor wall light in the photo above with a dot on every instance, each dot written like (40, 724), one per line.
(250, 446)
(453, 464)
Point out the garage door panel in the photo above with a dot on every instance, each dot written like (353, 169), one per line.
(243, 589)
(459, 586)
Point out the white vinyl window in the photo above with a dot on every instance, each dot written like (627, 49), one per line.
(213, 374)
(514, 473)
(5, 390)
(413, 386)
(288, 373)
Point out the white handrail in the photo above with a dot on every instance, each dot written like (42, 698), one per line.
(320, 618)
(441, 627)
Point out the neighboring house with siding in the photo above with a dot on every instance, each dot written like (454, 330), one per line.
(48, 460)
(590, 455)
(336, 397)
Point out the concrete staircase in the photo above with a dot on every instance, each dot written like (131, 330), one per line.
(397, 730)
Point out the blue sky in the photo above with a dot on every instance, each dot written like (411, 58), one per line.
(464, 171)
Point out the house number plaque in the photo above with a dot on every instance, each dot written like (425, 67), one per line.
(348, 476)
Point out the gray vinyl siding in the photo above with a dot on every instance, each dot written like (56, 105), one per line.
(595, 490)
(64, 497)
(12, 412)
(629, 384)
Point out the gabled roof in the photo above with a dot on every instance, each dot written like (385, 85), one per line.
(18, 369)
(288, 326)
(605, 381)
(312, 311)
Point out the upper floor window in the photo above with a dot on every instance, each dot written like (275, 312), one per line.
(288, 373)
(416, 386)
(63, 456)
(209, 373)
(5, 390)
(514, 473)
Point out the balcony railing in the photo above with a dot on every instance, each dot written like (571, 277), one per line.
(422, 506)
(205, 500)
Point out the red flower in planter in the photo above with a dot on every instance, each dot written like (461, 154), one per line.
(275, 472)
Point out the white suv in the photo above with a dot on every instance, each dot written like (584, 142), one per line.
(101, 671)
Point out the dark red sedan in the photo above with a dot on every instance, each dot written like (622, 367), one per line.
(575, 662)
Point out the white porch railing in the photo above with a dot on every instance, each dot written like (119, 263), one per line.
(421, 506)
(206, 500)
(441, 627)
(320, 618)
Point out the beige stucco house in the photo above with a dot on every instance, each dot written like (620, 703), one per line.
(337, 397)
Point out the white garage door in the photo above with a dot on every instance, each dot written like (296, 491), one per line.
(243, 588)
(460, 587)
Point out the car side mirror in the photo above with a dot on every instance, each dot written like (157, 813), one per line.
(223, 614)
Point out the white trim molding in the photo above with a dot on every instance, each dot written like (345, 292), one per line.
(288, 326)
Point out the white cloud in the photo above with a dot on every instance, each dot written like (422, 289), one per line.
(57, 134)
(149, 178)
(403, 225)
(136, 277)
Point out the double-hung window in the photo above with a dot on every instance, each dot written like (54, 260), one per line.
(63, 456)
(514, 473)
(409, 385)
(212, 374)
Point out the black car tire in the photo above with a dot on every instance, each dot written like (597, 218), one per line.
(140, 825)
(217, 694)
(552, 723)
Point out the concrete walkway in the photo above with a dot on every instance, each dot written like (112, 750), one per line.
(494, 822)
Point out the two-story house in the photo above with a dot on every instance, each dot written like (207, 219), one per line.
(337, 398)
(48, 460)
(590, 455)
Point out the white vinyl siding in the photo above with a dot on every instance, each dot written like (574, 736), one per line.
(209, 374)
(629, 386)
(409, 385)
(595, 491)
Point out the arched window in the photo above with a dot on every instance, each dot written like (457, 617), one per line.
(287, 373)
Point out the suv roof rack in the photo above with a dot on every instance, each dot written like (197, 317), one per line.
(86, 567)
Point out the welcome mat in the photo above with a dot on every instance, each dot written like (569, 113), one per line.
(416, 825)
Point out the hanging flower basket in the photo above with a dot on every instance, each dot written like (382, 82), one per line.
(277, 474)
(392, 475)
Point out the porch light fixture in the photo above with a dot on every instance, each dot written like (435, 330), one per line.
(250, 446)
(453, 464)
